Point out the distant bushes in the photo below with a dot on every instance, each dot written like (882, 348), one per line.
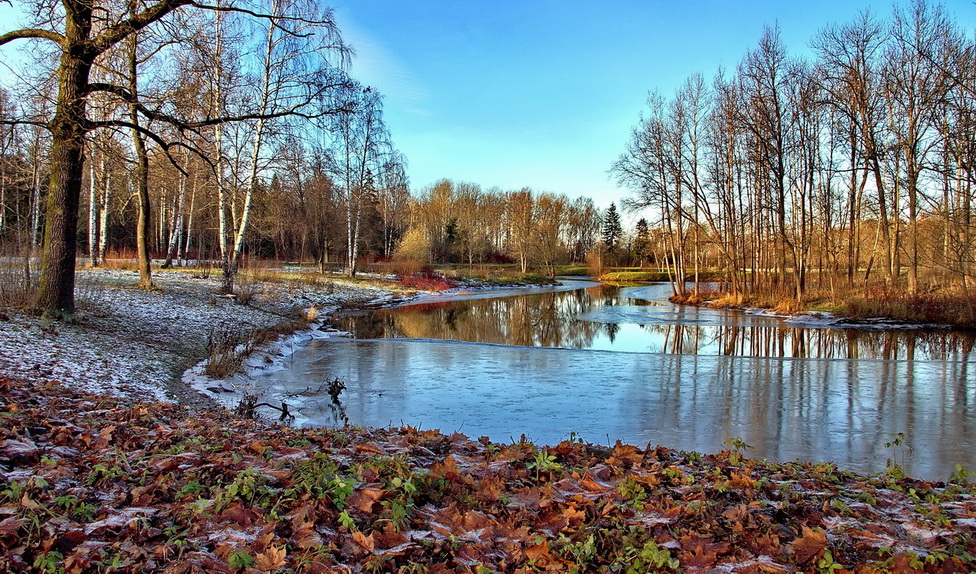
(427, 280)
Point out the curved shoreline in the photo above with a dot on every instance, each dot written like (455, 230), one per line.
(136, 345)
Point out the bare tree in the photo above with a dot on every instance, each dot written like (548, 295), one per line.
(82, 34)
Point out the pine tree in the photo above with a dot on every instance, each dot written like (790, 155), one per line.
(611, 227)
(642, 241)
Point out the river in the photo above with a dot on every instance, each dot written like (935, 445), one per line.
(608, 364)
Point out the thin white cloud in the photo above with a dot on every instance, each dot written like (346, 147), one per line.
(376, 64)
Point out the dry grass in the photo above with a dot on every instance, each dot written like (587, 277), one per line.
(18, 285)
(933, 305)
(401, 267)
(227, 348)
(226, 352)
(265, 272)
(124, 259)
(246, 288)
(269, 334)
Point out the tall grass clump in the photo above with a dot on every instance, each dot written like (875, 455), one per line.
(18, 282)
(124, 259)
(427, 280)
(942, 306)
(226, 351)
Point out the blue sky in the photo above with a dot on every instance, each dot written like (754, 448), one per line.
(542, 93)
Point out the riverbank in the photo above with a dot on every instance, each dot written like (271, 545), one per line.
(94, 484)
(876, 305)
(135, 344)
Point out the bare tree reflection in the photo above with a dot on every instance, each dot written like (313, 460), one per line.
(554, 320)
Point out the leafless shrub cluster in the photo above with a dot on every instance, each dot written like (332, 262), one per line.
(226, 351)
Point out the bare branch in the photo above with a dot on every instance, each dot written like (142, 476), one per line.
(295, 110)
(165, 145)
(32, 33)
(115, 34)
(272, 17)
(24, 122)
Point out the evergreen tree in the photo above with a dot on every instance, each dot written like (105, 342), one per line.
(611, 227)
(642, 241)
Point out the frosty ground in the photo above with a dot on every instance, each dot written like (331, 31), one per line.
(136, 344)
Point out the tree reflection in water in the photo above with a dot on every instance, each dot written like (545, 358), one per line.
(608, 318)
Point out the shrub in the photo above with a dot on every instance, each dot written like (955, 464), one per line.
(225, 352)
(123, 259)
(427, 280)
(245, 290)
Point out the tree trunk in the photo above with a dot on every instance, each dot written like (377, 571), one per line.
(3, 191)
(56, 288)
(141, 172)
(35, 216)
(176, 227)
(93, 213)
(103, 214)
(189, 223)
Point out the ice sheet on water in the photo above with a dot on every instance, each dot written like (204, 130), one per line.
(787, 408)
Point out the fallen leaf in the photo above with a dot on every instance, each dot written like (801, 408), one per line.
(271, 559)
(625, 455)
(306, 537)
(809, 546)
(537, 551)
(370, 447)
(365, 499)
(365, 542)
(736, 513)
(10, 526)
(20, 451)
(104, 437)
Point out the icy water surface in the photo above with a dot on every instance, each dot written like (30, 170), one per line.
(624, 364)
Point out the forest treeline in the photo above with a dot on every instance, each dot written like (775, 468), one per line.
(183, 130)
(796, 175)
(461, 223)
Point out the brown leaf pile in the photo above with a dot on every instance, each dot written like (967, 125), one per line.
(89, 485)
